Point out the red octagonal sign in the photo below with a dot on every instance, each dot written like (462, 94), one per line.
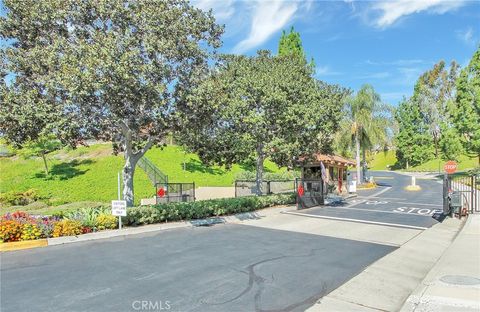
(301, 191)
(161, 192)
(450, 167)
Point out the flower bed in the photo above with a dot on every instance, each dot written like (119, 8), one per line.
(19, 226)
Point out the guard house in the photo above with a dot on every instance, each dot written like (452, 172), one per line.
(334, 175)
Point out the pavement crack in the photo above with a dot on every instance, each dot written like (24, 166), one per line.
(255, 279)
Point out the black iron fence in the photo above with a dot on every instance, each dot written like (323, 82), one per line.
(249, 187)
(464, 188)
(175, 192)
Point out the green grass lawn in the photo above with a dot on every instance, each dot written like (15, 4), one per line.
(382, 159)
(90, 174)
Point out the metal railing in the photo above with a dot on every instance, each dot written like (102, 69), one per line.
(154, 174)
(175, 192)
(249, 187)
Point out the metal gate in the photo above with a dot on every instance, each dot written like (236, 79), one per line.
(310, 193)
(175, 192)
(467, 185)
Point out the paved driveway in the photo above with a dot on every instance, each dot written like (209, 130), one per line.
(222, 268)
(390, 204)
(281, 262)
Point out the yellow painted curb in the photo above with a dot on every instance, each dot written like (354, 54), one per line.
(23, 245)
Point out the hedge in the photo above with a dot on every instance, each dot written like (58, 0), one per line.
(202, 209)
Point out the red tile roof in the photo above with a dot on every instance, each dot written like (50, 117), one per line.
(333, 159)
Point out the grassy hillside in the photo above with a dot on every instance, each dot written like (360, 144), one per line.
(380, 161)
(90, 174)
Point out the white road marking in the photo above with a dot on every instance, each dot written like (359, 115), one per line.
(358, 220)
(375, 202)
(395, 211)
(381, 192)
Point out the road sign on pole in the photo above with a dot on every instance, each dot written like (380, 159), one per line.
(119, 208)
(450, 167)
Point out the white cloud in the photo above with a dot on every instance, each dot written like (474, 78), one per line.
(267, 18)
(467, 36)
(391, 11)
(223, 10)
(322, 71)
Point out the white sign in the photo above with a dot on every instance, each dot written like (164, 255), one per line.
(119, 208)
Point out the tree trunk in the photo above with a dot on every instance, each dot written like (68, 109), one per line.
(131, 159)
(357, 158)
(435, 143)
(259, 173)
(128, 174)
(45, 163)
(364, 165)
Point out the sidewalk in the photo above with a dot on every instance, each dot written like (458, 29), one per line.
(453, 284)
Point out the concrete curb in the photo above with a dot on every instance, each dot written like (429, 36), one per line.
(237, 218)
(11, 246)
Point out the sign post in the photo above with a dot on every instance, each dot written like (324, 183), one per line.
(119, 208)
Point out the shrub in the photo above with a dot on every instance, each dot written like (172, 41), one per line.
(67, 228)
(19, 198)
(10, 230)
(31, 231)
(106, 221)
(203, 209)
(87, 216)
(143, 215)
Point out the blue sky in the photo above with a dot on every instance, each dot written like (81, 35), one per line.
(385, 43)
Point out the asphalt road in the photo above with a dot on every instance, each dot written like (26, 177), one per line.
(390, 203)
(221, 268)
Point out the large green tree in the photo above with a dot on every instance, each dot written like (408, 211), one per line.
(434, 91)
(103, 69)
(262, 107)
(466, 108)
(365, 125)
(414, 144)
(290, 44)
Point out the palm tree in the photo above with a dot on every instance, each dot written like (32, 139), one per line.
(365, 126)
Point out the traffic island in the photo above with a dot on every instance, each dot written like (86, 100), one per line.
(413, 186)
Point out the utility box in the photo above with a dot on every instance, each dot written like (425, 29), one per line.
(455, 202)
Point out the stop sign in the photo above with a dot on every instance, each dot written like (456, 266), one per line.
(450, 167)
(161, 192)
(301, 191)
